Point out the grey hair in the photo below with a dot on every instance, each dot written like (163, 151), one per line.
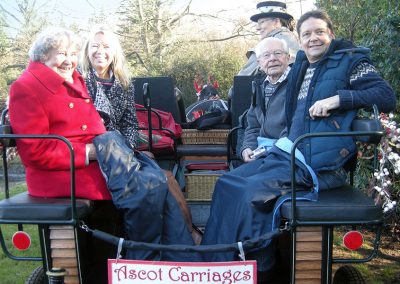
(260, 47)
(50, 39)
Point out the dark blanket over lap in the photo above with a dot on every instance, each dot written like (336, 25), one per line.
(139, 189)
(243, 201)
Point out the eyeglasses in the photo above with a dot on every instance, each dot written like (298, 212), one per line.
(277, 53)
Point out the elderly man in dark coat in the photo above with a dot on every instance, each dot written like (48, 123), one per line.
(266, 115)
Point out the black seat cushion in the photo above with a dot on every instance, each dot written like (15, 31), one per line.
(162, 94)
(24, 207)
(241, 97)
(201, 150)
(339, 204)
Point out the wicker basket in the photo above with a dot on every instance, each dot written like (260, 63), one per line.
(213, 136)
(200, 187)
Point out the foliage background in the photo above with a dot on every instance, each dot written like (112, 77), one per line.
(157, 40)
(374, 24)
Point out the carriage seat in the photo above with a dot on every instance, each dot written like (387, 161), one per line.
(26, 208)
(22, 208)
(344, 204)
(201, 150)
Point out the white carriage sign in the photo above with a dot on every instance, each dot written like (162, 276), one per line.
(147, 272)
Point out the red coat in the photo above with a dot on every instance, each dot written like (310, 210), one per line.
(42, 102)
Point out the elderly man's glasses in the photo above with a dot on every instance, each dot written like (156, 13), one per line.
(276, 53)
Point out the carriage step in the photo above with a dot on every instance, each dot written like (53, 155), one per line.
(63, 252)
(308, 255)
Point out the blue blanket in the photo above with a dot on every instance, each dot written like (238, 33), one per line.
(139, 190)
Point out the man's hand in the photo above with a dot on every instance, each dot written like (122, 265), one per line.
(321, 108)
(246, 155)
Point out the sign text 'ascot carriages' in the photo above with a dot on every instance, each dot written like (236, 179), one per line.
(139, 271)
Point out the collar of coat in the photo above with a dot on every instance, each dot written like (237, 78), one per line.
(53, 82)
(281, 78)
(336, 51)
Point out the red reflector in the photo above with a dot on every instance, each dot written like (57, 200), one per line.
(353, 240)
(21, 240)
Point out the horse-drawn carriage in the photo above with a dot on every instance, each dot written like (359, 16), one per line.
(305, 236)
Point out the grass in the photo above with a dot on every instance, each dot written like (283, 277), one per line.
(12, 271)
(383, 269)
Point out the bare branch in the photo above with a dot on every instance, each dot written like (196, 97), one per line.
(20, 66)
(139, 58)
(10, 14)
(184, 12)
(221, 39)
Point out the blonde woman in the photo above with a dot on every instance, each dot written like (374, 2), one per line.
(104, 70)
(154, 209)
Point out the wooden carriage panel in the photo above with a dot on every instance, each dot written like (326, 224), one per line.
(308, 255)
(63, 252)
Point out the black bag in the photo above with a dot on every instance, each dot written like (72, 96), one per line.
(217, 119)
(207, 93)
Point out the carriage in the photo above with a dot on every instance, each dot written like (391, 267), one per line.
(305, 237)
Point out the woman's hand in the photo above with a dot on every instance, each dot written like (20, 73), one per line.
(91, 152)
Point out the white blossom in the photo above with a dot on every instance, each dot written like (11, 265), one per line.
(389, 162)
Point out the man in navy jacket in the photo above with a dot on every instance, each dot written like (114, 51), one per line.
(329, 81)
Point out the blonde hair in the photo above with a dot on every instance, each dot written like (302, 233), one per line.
(118, 64)
(51, 39)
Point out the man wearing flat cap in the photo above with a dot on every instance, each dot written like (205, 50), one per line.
(272, 21)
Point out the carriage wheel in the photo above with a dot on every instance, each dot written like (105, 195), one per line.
(37, 276)
(348, 275)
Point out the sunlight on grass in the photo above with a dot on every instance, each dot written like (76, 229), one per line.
(12, 271)
(390, 271)
(377, 271)
(365, 271)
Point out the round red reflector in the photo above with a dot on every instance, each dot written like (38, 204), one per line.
(21, 240)
(353, 240)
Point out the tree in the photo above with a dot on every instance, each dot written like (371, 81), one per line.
(374, 24)
(155, 36)
(30, 19)
(160, 41)
(14, 50)
(147, 31)
(4, 59)
(223, 60)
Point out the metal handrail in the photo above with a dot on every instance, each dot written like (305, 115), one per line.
(294, 221)
(72, 220)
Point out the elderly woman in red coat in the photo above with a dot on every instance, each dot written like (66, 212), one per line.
(50, 97)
